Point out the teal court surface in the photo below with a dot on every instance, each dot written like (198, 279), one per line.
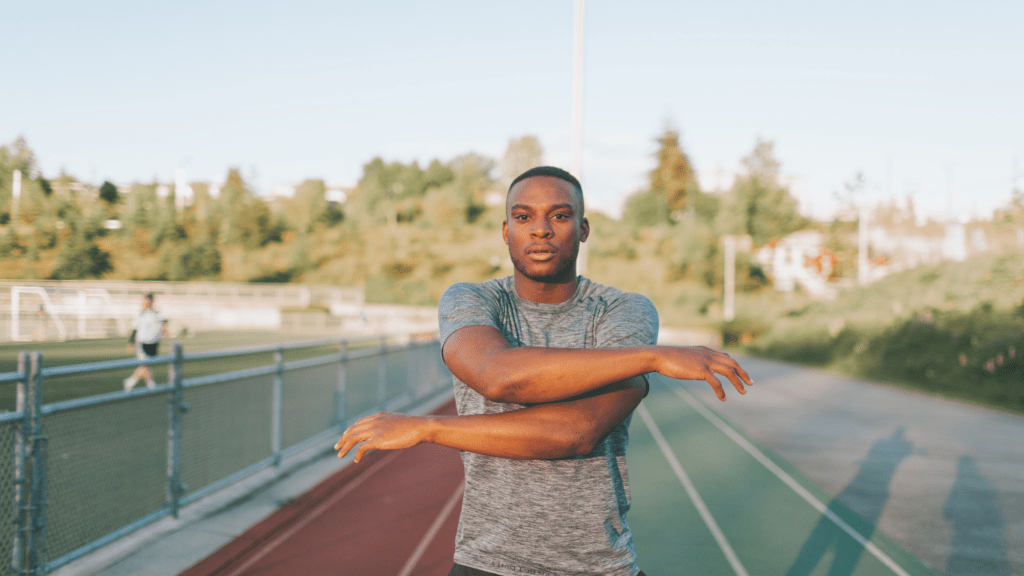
(707, 499)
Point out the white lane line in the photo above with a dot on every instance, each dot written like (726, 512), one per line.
(432, 531)
(691, 491)
(279, 538)
(786, 478)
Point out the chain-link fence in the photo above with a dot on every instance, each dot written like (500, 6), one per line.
(86, 472)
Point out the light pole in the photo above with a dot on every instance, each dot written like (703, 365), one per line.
(729, 305)
(577, 111)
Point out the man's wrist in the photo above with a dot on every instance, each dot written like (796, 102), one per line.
(651, 359)
(428, 429)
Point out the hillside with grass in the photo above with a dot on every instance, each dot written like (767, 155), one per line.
(954, 329)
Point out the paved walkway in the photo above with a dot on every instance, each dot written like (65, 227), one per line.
(944, 479)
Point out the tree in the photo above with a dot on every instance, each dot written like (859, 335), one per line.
(757, 204)
(673, 178)
(80, 257)
(108, 193)
(472, 180)
(15, 156)
(645, 209)
(521, 154)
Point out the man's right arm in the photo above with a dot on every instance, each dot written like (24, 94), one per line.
(480, 357)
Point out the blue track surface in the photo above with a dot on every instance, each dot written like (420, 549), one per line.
(707, 499)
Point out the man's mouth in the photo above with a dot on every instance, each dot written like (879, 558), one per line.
(540, 254)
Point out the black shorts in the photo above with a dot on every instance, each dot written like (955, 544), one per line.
(150, 349)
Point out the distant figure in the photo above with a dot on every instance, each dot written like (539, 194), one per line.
(40, 332)
(150, 325)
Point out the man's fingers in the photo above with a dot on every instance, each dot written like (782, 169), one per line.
(731, 362)
(716, 385)
(730, 373)
(363, 449)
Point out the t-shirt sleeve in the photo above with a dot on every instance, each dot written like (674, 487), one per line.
(462, 305)
(631, 320)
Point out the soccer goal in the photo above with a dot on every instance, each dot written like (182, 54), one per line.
(32, 315)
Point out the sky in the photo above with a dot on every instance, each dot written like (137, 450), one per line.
(923, 98)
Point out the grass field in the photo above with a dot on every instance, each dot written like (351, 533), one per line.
(97, 350)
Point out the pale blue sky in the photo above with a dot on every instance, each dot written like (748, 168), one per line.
(920, 96)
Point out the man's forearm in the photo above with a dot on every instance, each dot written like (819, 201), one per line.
(545, 431)
(483, 359)
(529, 375)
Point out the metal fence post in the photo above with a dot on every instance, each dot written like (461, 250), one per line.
(22, 435)
(341, 388)
(37, 523)
(382, 374)
(277, 406)
(176, 408)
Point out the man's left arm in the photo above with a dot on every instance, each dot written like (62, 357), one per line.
(563, 429)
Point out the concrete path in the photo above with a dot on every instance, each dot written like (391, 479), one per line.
(943, 479)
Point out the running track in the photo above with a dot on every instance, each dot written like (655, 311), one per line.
(707, 499)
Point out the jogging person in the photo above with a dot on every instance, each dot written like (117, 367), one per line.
(548, 367)
(150, 325)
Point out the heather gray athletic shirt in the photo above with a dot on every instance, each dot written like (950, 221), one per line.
(547, 517)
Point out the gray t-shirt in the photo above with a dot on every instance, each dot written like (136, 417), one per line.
(547, 517)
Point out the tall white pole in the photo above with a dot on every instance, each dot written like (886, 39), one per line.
(577, 111)
(15, 197)
(863, 276)
(729, 307)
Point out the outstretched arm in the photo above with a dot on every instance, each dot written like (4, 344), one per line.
(482, 358)
(546, 431)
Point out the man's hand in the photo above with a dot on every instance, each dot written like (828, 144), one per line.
(702, 363)
(131, 349)
(381, 431)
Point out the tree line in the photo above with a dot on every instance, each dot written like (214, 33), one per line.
(66, 229)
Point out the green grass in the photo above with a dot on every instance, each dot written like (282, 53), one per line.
(955, 330)
(103, 349)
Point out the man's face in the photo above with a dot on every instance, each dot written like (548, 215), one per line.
(147, 303)
(543, 229)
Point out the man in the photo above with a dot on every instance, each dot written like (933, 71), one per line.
(150, 325)
(548, 368)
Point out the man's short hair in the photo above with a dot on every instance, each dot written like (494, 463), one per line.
(148, 296)
(553, 172)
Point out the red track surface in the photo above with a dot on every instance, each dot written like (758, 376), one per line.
(394, 513)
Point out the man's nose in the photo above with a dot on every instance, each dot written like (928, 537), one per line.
(541, 228)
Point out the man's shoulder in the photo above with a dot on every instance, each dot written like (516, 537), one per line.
(486, 289)
(617, 296)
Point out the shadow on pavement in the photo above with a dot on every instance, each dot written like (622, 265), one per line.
(978, 546)
(867, 495)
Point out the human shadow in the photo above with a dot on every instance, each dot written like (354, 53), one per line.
(867, 495)
(978, 545)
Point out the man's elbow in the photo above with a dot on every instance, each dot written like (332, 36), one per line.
(493, 386)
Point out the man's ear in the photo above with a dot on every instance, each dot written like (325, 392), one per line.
(504, 231)
(584, 229)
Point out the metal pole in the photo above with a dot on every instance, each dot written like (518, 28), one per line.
(382, 373)
(37, 538)
(863, 276)
(577, 110)
(729, 308)
(176, 407)
(277, 406)
(341, 387)
(22, 434)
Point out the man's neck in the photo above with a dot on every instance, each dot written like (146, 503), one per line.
(545, 292)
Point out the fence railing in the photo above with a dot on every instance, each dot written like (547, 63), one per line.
(88, 471)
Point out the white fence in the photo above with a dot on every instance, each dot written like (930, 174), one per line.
(60, 310)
